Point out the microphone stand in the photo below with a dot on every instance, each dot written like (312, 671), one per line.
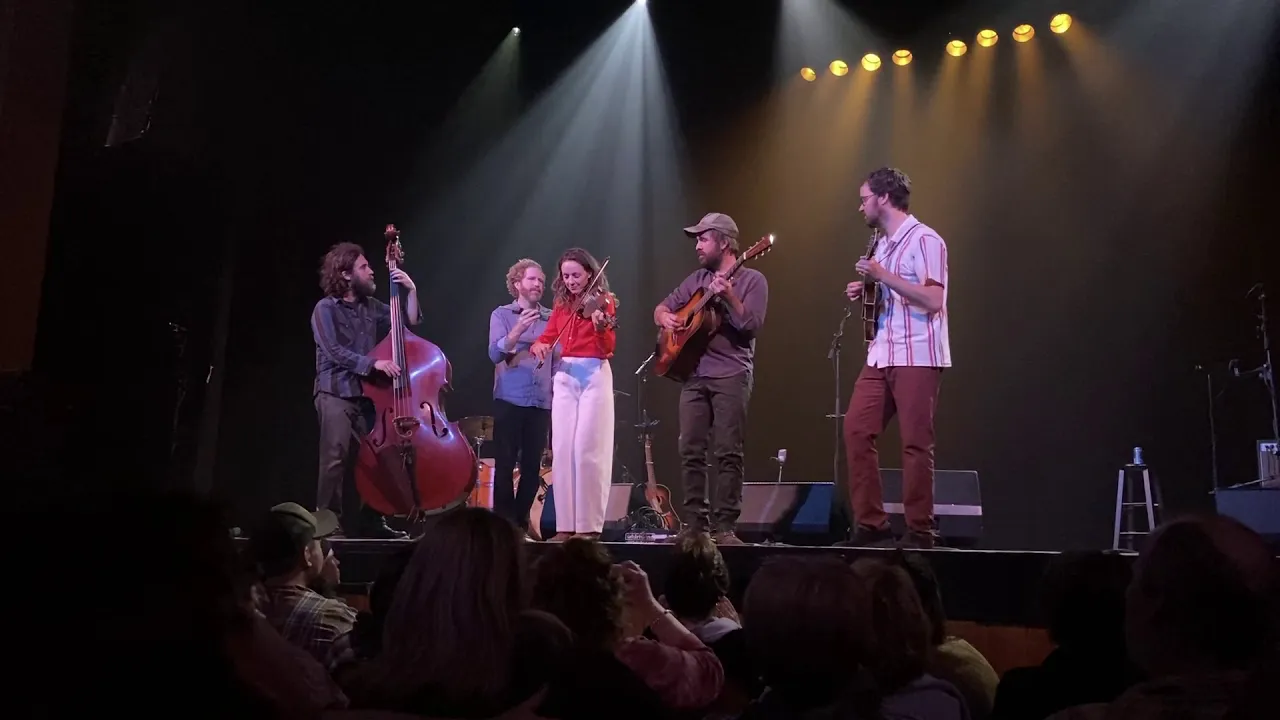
(643, 423)
(644, 516)
(833, 354)
(1264, 371)
(1213, 432)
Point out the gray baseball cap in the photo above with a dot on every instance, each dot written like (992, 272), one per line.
(714, 221)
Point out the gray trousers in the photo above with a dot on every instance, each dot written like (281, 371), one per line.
(343, 421)
(713, 416)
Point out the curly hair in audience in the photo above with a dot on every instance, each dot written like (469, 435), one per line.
(516, 273)
(341, 258)
(899, 646)
(449, 630)
(575, 582)
(696, 577)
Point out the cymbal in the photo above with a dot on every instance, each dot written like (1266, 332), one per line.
(477, 427)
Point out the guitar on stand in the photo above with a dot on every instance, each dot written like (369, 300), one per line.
(656, 519)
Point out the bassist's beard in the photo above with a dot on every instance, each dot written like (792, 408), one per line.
(363, 289)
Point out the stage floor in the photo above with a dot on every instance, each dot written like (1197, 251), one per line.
(994, 587)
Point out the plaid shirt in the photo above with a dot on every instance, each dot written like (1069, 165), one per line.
(345, 334)
(311, 621)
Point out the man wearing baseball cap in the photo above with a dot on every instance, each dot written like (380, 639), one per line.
(713, 401)
(286, 544)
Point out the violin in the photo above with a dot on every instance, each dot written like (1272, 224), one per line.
(414, 461)
(594, 300)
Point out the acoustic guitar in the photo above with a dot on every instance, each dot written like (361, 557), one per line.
(658, 496)
(680, 349)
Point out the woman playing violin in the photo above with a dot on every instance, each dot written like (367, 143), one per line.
(581, 332)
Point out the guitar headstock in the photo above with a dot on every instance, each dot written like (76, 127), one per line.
(395, 253)
(760, 248)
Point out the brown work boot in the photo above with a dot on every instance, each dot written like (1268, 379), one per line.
(726, 537)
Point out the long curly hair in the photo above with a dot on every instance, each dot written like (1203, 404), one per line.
(516, 274)
(575, 582)
(340, 258)
(588, 263)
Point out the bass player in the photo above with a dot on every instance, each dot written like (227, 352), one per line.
(713, 400)
(908, 351)
(347, 324)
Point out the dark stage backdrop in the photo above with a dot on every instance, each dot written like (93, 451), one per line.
(1105, 218)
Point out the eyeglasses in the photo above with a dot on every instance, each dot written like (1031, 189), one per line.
(864, 199)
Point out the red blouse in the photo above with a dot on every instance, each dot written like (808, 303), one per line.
(580, 338)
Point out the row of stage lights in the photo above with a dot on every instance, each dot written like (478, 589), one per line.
(986, 38)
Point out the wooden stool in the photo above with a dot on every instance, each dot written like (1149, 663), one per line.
(1127, 503)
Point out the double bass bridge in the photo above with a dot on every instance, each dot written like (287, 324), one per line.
(406, 426)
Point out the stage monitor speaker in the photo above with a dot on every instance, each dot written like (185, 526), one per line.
(957, 504)
(1258, 508)
(788, 512)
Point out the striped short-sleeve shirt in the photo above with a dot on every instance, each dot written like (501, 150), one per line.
(907, 335)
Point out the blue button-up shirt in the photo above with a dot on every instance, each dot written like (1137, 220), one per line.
(515, 377)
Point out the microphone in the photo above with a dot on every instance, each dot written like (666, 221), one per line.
(645, 365)
(1256, 287)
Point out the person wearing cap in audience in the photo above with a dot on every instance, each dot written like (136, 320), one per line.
(288, 546)
(713, 401)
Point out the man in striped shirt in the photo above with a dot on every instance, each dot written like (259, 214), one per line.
(904, 361)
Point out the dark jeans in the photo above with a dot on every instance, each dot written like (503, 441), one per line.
(518, 432)
(343, 421)
(713, 414)
(911, 393)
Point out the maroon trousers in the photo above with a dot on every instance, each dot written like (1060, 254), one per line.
(912, 394)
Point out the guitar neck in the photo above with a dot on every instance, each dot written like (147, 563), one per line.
(706, 297)
(651, 480)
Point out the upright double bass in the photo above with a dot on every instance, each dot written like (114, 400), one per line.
(414, 461)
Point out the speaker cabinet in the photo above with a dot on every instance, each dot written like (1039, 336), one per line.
(787, 512)
(957, 504)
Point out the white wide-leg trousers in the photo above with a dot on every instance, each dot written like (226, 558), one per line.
(582, 443)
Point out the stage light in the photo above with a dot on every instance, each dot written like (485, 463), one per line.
(987, 38)
(839, 67)
(808, 74)
(956, 48)
(871, 62)
(515, 31)
(1023, 33)
(902, 57)
(1060, 23)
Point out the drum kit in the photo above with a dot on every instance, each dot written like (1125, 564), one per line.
(479, 428)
